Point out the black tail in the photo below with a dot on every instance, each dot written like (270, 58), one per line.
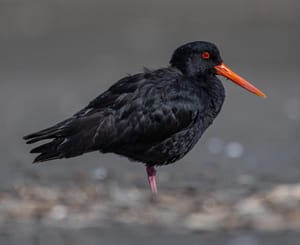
(42, 135)
(48, 151)
(68, 139)
(72, 137)
(52, 149)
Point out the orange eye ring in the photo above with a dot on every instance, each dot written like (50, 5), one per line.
(205, 55)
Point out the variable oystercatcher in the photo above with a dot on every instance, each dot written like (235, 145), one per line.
(154, 117)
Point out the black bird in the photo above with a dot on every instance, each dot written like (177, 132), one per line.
(154, 117)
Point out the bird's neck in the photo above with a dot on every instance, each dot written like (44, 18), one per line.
(209, 84)
(214, 90)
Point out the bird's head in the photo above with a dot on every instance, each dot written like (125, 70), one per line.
(201, 58)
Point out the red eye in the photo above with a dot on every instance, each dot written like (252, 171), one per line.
(205, 55)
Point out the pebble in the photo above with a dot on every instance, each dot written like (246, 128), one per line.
(100, 174)
(234, 150)
(230, 209)
(269, 222)
(286, 195)
(58, 212)
(206, 221)
(125, 197)
(251, 206)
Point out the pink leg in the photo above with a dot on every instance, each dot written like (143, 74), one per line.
(151, 172)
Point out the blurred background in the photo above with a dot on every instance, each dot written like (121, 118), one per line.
(239, 185)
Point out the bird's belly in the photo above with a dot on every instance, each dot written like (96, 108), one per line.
(167, 151)
(170, 149)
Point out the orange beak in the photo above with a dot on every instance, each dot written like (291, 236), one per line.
(223, 70)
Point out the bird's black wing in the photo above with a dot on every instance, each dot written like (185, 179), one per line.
(138, 111)
(155, 106)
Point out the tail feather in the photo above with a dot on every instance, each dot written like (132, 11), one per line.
(50, 146)
(42, 137)
(48, 133)
(40, 133)
(46, 157)
(48, 151)
(70, 138)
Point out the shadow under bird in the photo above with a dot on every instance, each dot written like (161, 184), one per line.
(154, 117)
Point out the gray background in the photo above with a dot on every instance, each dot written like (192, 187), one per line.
(55, 56)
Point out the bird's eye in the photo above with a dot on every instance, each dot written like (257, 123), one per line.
(205, 55)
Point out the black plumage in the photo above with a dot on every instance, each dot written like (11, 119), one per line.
(154, 117)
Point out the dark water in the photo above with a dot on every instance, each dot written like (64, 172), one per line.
(55, 56)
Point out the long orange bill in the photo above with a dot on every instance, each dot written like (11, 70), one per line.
(225, 71)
